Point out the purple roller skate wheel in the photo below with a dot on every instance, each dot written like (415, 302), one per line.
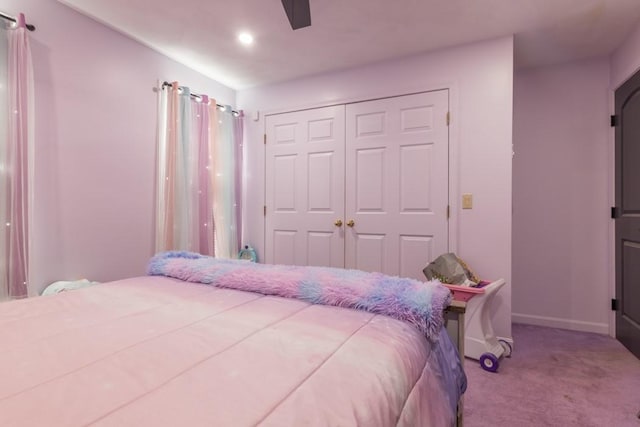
(489, 362)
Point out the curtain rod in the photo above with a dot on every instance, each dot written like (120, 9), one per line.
(196, 96)
(11, 18)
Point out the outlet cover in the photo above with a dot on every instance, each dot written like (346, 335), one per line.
(467, 201)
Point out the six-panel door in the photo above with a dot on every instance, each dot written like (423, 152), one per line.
(305, 187)
(397, 183)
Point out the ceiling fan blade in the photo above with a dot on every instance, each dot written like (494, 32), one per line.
(298, 12)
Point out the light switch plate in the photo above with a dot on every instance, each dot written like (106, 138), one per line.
(467, 201)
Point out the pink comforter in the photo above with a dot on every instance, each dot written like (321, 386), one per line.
(154, 351)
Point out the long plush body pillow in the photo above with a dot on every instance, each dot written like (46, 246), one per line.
(413, 301)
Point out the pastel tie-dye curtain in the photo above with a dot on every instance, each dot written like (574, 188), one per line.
(16, 158)
(199, 175)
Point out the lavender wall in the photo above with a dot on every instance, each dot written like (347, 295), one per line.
(480, 78)
(625, 61)
(561, 196)
(95, 144)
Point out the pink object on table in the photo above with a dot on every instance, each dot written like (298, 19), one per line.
(464, 293)
(154, 351)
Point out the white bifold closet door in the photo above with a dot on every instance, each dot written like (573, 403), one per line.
(364, 185)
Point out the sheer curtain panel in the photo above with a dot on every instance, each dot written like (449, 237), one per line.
(16, 158)
(198, 181)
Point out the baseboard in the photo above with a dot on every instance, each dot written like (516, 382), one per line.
(556, 322)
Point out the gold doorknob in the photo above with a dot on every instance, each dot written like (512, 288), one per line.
(338, 223)
(351, 223)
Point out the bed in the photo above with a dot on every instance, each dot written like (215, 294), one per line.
(161, 351)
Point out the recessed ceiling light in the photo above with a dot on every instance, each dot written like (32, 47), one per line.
(245, 38)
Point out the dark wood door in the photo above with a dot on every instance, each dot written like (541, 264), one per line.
(627, 223)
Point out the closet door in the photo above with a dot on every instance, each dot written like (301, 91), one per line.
(397, 183)
(305, 187)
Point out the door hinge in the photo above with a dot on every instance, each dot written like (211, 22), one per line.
(614, 212)
(614, 305)
(614, 121)
(448, 118)
(264, 210)
(265, 139)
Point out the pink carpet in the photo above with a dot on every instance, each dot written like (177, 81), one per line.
(556, 378)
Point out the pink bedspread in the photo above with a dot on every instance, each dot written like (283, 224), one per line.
(152, 351)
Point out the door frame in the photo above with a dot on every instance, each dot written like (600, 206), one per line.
(453, 161)
(611, 247)
(611, 200)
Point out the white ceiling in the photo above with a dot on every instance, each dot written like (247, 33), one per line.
(345, 33)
